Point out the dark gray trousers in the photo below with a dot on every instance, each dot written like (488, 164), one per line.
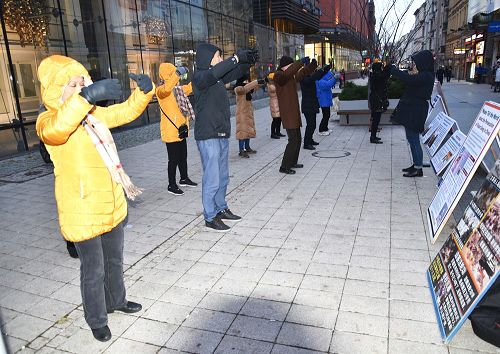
(101, 275)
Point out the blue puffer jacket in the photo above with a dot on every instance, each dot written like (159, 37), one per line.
(324, 89)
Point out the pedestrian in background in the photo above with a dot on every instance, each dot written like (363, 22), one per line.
(90, 183)
(413, 106)
(448, 73)
(440, 75)
(245, 122)
(324, 88)
(285, 79)
(310, 104)
(377, 96)
(275, 109)
(176, 113)
(497, 77)
(213, 126)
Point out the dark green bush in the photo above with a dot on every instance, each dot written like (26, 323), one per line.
(352, 92)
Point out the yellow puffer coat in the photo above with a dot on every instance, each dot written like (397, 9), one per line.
(89, 202)
(168, 103)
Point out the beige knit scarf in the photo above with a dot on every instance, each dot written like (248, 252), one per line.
(105, 145)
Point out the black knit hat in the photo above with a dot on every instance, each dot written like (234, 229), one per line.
(284, 61)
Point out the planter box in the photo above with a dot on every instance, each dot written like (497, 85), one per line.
(357, 112)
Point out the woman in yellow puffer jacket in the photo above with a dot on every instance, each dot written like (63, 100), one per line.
(91, 205)
(171, 119)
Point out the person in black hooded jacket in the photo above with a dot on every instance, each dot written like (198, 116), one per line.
(213, 126)
(412, 108)
(378, 78)
(310, 103)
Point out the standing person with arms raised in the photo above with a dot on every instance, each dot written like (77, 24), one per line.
(377, 96)
(285, 79)
(324, 88)
(310, 104)
(176, 113)
(90, 183)
(413, 106)
(213, 126)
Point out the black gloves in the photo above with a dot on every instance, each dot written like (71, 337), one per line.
(143, 81)
(266, 80)
(261, 82)
(181, 70)
(247, 56)
(305, 60)
(107, 89)
(314, 62)
(326, 68)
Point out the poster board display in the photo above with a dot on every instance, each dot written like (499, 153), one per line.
(441, 160)
(438, 132)
(469, 261)
(436, 106)
(461, 170)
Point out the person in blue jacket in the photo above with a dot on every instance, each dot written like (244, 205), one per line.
(324, 88)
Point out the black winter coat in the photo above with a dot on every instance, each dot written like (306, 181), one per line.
(412, 108)
(211, 104)
(310, 103)
(377, 87)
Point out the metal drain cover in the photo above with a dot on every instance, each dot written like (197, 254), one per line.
(331, 154)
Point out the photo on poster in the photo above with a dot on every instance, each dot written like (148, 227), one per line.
(485, 196)
(468, 222)
(460, 163)
(492, 220)
(448, 250)
(480, 260)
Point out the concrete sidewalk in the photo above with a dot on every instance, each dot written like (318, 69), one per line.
(332, 259)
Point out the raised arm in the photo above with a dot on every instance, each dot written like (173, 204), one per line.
(306, 71)
(55, 127)
(206, 78)
(243, 90)
(415, 80)
(123, 113)
(281, 77)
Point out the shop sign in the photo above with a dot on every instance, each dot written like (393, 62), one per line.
(459, 51)
(480, 48)
(494, 26)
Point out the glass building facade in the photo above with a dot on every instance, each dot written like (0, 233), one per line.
(113, 38)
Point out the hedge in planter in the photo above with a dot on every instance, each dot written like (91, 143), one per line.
(352, 92)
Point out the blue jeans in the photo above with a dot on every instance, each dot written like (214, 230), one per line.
(417, 154)
(214, 155)
(244, 144)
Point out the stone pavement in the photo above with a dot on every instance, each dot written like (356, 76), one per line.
(332, 259)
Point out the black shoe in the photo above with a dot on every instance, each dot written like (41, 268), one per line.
(377, 138)
(175, 190)
(129, 307)
(375, 141)
(309, 147)
(417, 172)
(187, 183)
(251, 151)
(102, 334)
(228, 215)
(274, 136)
(243, 154)
(70, 246)
(287, 171)
(315, 143)
(408, 169)
(282, 135)
(298, 165)
(217, 225)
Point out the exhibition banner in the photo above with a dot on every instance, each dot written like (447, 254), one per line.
(469, 261)
(447, 152)
(437, 132)
(481, 135)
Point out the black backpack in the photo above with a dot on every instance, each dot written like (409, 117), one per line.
(485, 318)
